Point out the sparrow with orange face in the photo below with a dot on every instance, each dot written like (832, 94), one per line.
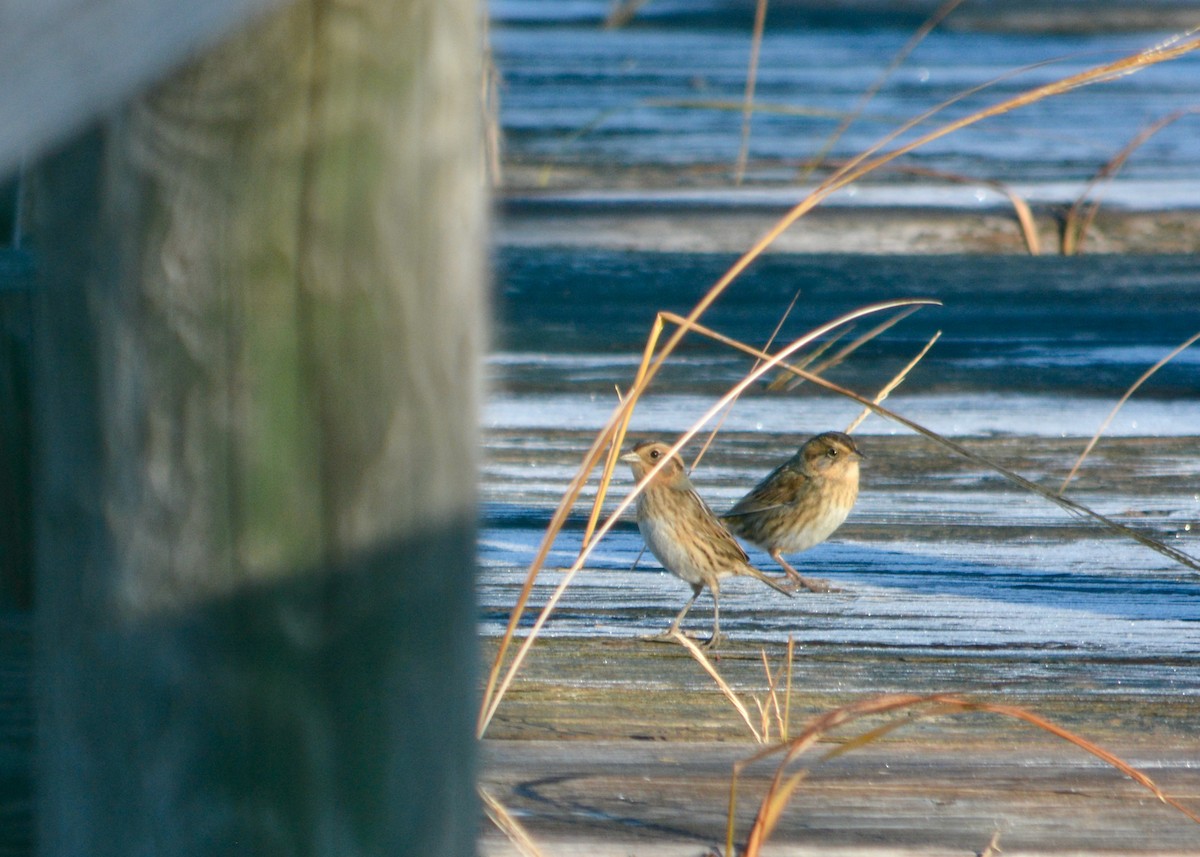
(801, 502)
(684, 534)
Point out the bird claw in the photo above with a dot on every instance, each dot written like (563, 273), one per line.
(664, 637)
(669, 637)
(812, 584)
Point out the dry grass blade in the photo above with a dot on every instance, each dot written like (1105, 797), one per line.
(553, 528)
(508, 825)
(769, 808)
(1071, 506)
(1065, 503)
(782, 785)
(1112, 414)
(1028, 224)
(771, 811)
(703, 660)
(773, 697)
(1100, 753)
(785, 727)
(917, 37)
(760, 19)
(786, 380)
(868, 737)
(493, 690)
(1083, 212)
(839, 356)
(891, 385)
(767, 347)
(614, 449)
(1020, 207)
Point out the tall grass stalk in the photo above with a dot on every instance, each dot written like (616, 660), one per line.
(1072, 506)
(760, 19)
(760, 735)
(769, 708)
(1120, 403)
(788, 381)
(712, 435)
(1083, 211)
(1029, 231)
(783, 784)
(905, 51)
(894, 383)
(508, 824)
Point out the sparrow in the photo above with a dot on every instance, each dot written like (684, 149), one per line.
(684, 535)
(801, 502)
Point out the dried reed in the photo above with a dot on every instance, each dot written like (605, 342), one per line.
(499, 815)
(1083, 211)
(1111, 414)
(760, 19)
(783, 785)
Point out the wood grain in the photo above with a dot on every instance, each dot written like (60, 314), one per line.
(256, 375)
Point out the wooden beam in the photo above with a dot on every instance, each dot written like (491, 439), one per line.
(67, 62)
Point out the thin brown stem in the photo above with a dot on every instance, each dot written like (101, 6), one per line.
(1111, 414)
(760, 19)
(1069, 505)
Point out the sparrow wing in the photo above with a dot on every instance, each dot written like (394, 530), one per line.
(716, 534)
(732, 552)
(780, 488)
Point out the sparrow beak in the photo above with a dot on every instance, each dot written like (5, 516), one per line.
(631, 458)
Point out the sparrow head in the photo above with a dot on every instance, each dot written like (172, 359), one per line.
(831, 454)
(647, 454)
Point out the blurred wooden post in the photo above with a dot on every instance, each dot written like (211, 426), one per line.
(16, 518)
(259, 321)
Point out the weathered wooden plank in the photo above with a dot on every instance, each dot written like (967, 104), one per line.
(66, 62)
(895, 798)
(659, 225)
(954, 582)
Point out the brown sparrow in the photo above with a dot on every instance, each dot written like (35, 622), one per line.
(801, 502)
(684, 534)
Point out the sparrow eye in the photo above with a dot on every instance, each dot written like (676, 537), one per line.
(833, 453)
(654, 454)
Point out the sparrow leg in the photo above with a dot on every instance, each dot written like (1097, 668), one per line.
(666, 636)
(797, 580)
(716, 639)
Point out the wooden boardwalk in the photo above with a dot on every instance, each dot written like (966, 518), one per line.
(675, 221)
(953, 583)
(624, 748)
(907, 798)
